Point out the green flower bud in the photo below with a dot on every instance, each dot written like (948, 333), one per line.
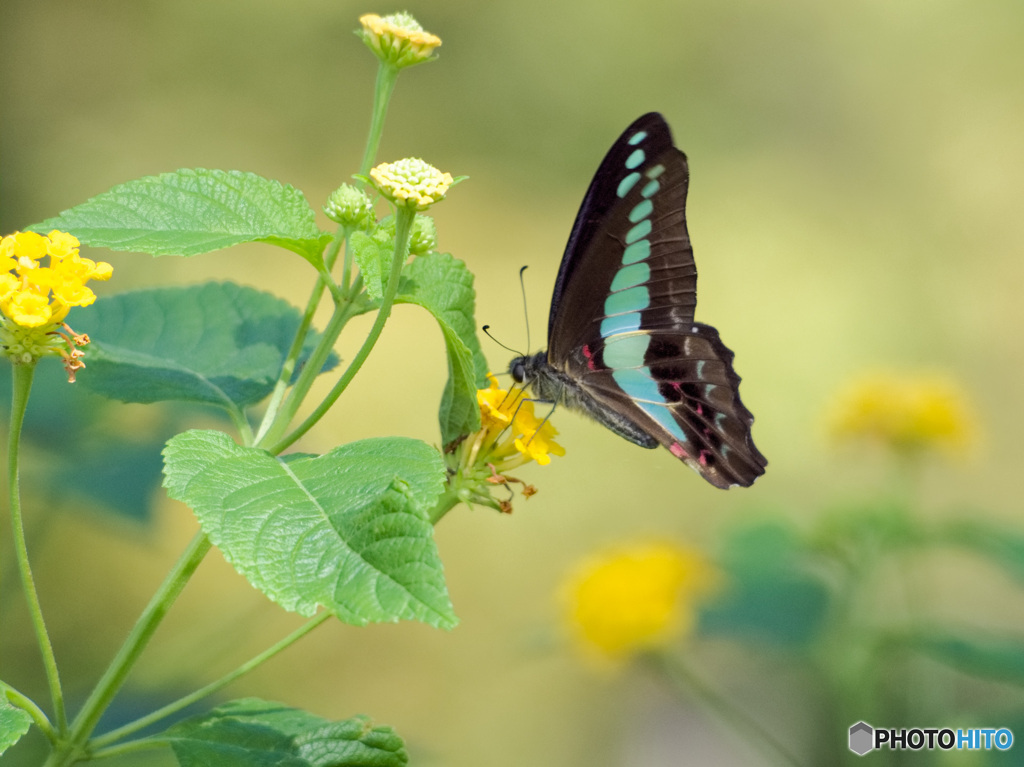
(398, 40)
(350, 207)
(422, 239)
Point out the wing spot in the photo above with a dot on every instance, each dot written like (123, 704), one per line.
(627, 184)
(654, 171)
(641, 210)
(639, 232)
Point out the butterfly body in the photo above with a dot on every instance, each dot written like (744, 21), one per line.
(552, 385)
(623, 346)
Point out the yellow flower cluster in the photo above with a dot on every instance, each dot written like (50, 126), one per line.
(510, 435)
(906, 413)
(411, 183)
(398, 39)
(36, 296)
(637, 598)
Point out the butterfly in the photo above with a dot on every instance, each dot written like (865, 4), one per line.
(622, 344)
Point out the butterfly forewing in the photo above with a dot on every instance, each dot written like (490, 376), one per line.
(629, 246)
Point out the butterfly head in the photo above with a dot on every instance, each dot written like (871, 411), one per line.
(524, 369)
(535, 371)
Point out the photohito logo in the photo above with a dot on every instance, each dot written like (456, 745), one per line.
(865, 738)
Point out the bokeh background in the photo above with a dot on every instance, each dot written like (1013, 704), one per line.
(857, 181)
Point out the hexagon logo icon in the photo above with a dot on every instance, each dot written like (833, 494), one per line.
(862, 737)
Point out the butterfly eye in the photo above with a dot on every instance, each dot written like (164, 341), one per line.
(518, 372)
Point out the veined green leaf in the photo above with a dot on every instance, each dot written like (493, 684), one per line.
(347, 530)
(250, 732)
(354, 742)
(444, 286)
(192, 211)
(216, 343)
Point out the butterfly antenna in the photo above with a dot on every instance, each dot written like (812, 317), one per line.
(487, 332)
(526, 314)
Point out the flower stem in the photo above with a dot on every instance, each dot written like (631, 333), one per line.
(448, 500)
(403, 227)
(115, 735)
(136, 642)
(312, 368)
(29, 706)
(387, 76)
(131, 747)
(688, 686)
(22, 386)
(292, 358)
(273, 422)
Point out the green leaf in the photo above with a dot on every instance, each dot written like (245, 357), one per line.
(773, 593)
(347, 530)
(250, 732)
(999, 543)
(997, 658)
(216, 343)
(444, 286)
(352, 742)
(102, 461)
(374, 260)
(14, 722)
(193, 211)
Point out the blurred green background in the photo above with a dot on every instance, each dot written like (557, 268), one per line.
(857, 179)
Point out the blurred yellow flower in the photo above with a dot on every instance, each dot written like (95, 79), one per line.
(398, 39)
(908, 413)
(636, 598)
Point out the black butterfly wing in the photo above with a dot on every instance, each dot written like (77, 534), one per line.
(642, 170)
(621, 324)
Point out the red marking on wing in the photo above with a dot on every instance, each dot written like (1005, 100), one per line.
(590, 357)
(677, 450)
(703, 458)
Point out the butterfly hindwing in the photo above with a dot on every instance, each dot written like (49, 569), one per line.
(683, 391)
(623, 346)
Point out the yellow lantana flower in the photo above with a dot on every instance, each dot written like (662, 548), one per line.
(510, 435)
(398, 40)
(35, 299)
(411, 183)
(636, 598)
(907, 413)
